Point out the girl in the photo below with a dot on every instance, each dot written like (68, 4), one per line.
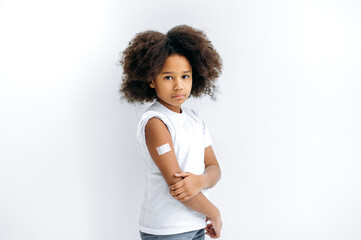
(179, 161)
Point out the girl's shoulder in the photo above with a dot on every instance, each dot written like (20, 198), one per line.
(193, 114)
(151, 112)
(157, 110)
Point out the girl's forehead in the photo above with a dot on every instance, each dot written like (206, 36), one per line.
(176, 63)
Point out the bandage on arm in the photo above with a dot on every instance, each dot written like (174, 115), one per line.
(160, 146)
(163, 149)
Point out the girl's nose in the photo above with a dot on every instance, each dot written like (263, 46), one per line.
(178, 84)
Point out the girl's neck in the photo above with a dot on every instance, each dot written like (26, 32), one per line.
(173, 108)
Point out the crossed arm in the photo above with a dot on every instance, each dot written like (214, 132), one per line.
(191, 184)
(185, 186)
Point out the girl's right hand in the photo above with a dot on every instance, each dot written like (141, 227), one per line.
(213, 229)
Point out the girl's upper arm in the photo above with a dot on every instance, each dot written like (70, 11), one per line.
(210, 157)
(156, 135)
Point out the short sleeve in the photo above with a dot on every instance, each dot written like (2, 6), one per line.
(207, 137)
(143, 122)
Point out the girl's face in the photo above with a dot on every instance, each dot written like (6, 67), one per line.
(174, 83)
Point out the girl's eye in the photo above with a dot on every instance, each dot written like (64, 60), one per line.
(185, 76)
(168, 77)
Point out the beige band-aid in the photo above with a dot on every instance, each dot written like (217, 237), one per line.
(163, 149)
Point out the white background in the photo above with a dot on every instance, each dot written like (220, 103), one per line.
(286, 124)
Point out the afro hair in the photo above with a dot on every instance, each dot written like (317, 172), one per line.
(146, 53)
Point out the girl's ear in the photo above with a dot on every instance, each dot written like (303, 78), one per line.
(151, 84)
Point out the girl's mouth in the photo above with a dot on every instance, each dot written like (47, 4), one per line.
(178, 96)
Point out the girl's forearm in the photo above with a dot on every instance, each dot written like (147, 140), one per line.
(211, 176)
(202, 205)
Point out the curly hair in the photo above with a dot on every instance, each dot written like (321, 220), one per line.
(146, 53)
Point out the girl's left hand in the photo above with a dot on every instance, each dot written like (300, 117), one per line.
(186, 188)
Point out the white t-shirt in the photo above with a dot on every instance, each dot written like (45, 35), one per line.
(161, 213)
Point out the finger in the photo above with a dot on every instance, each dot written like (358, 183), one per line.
(182, 174)
(217, 232)
(210, 229)
(211, 234)
(176, 185)
(181, 196)
(172, 193)
(186, 198)
(178, 191)
(177, 195)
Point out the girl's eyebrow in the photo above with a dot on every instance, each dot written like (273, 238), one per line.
(173, 72)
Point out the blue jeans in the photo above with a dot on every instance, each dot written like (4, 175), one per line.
(192, 235)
